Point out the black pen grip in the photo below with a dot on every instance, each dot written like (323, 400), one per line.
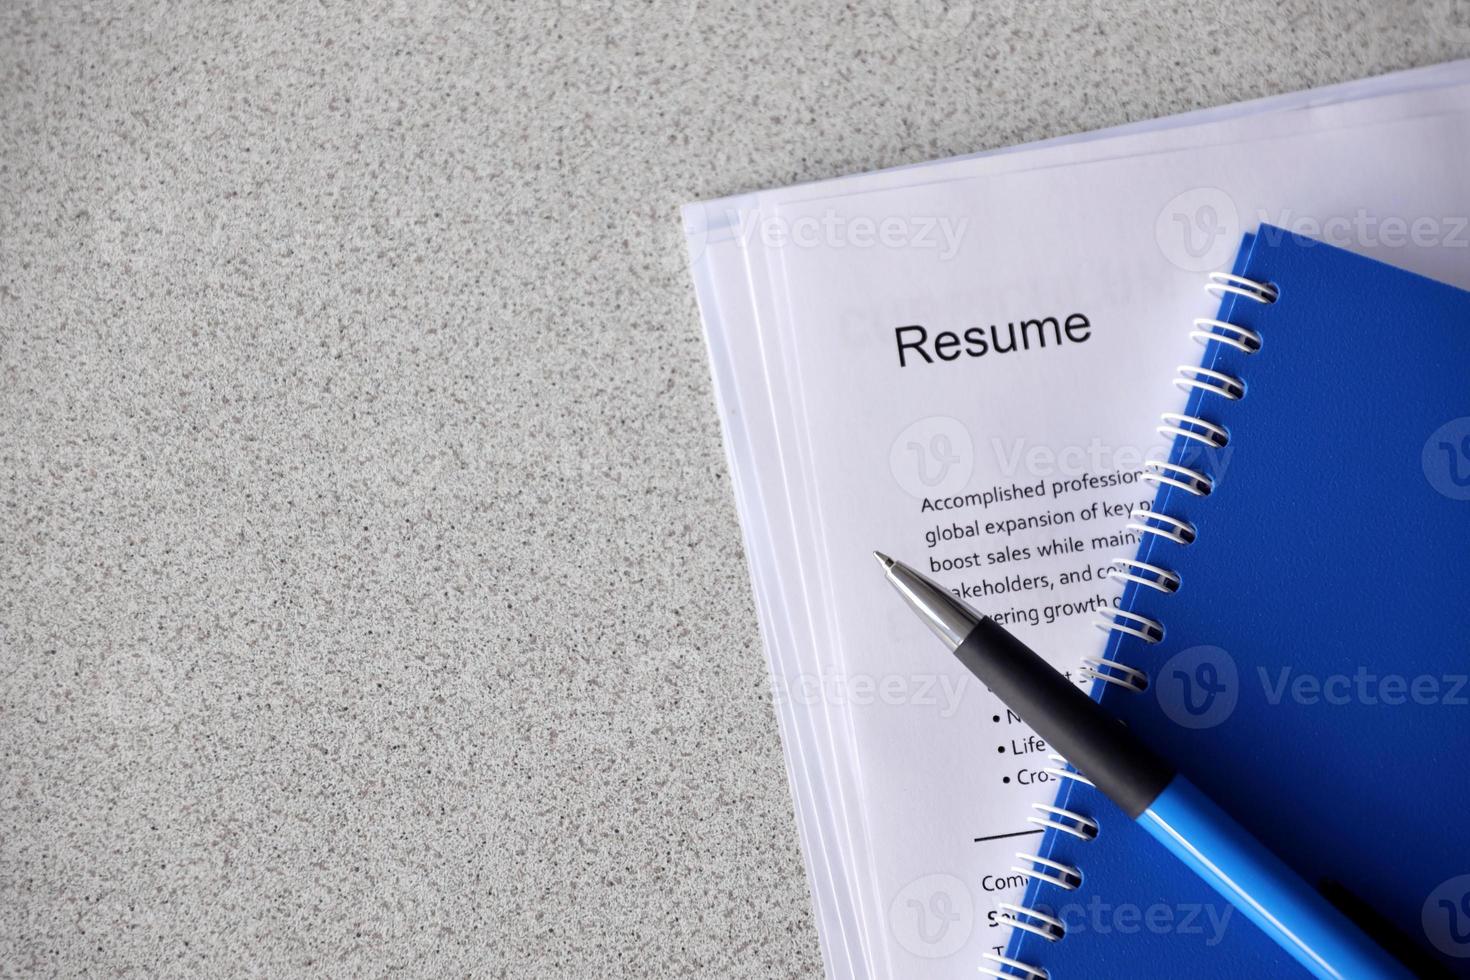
(1073, 724)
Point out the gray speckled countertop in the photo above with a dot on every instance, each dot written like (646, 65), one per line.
(373, 599)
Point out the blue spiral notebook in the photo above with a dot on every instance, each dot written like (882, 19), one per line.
(1298, 616)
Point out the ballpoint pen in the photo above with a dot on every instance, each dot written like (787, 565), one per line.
(1148, 789)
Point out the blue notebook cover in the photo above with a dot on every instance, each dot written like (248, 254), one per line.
(1312, 673)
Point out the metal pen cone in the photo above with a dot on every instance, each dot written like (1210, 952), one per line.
(949, 618)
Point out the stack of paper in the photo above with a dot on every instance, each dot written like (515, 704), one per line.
(963, 364)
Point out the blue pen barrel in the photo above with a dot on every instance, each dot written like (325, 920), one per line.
(1258, 883)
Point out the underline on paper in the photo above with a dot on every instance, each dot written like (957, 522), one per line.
(1019, 833)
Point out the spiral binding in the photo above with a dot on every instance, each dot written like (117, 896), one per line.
(1158, 472)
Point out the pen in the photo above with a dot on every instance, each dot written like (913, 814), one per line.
(1148, 789)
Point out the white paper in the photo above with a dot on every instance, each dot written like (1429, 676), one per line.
(893, 783)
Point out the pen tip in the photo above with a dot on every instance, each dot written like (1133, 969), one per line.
(883, 560)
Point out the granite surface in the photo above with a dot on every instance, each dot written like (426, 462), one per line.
(371, 594)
